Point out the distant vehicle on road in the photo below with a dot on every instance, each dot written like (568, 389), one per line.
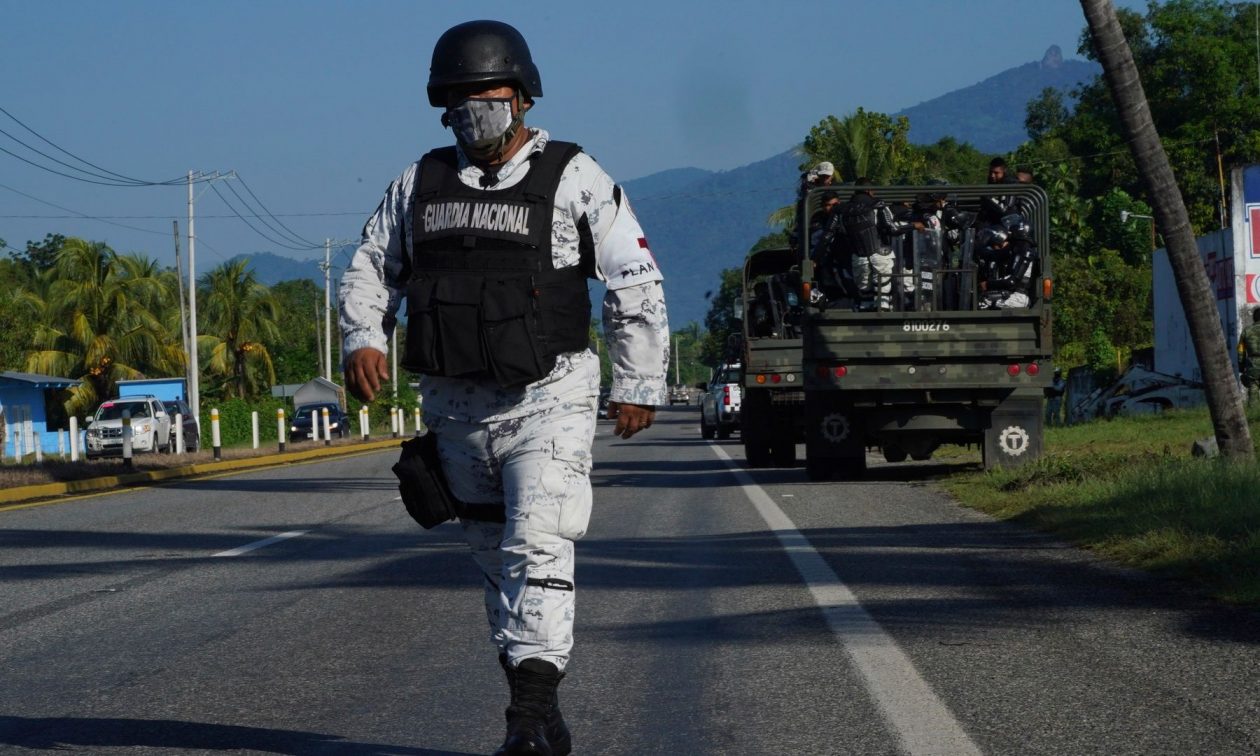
(150, 427)
(192, 436)
(338, 422)
(719, 407)
(679, 395)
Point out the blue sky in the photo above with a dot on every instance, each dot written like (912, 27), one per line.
(319, 105)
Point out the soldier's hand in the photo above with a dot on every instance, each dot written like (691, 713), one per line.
(366, 369)
(631, 418)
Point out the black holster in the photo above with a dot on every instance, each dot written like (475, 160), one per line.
(425, 491)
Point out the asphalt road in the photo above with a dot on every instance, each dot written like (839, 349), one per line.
(299, 611)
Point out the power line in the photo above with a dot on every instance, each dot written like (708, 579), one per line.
(276, 227)
(268, 212)
(78, 214)
(255, 229)
(357, 213)
(118, 178)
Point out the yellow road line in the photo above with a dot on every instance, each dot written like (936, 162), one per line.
(113, 484)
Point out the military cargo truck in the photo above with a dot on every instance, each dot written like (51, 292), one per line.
(929, 366)
(774, 392)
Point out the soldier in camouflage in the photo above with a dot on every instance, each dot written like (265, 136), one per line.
(1249, 357)
(526, 446)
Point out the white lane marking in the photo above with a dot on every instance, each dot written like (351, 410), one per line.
(921, 721)
(259, 544)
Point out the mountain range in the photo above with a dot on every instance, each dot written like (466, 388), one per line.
(699, 222)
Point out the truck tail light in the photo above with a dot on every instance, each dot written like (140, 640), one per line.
(726, 396)
(761, 378)
(776, 378)
(1032, 368)
(1012, 370)
(841, 371)
(805, 290)
(1047, 288)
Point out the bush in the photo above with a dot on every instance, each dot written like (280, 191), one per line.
(234, 419)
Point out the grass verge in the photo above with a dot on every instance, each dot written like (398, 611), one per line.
(1130, 490)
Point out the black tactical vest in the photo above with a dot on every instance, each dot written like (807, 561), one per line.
(483, 300)
(861, 225)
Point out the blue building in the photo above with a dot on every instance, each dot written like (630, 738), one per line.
(33, 407)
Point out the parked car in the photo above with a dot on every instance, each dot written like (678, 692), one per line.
(338, 421)
(192, 435)
(719, 406)
(604, 393)
(679, 395)
(150, 427)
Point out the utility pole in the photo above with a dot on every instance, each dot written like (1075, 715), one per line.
(677, 359)
(327, 309)
(194, 369)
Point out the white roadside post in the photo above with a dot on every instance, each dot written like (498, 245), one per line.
(61, 443)
(363, 422)
(126, 421)
(280, 429)
(214, 434)
(327, 428)
(179, 433)
(393, 422)
(417, 414)
(74, 439)
(39, 447)
(253, 426)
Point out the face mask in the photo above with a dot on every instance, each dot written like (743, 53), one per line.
(482, 127)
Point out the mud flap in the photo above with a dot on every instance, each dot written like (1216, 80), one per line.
(1014, 435)
(835, 439)
(756, 427)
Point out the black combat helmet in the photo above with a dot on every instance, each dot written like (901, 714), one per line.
(481, 51)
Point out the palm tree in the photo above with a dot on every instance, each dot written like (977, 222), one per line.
(239, 314)
(96, 316)
(1223, 396)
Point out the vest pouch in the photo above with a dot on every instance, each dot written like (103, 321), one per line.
(510, 331)
(459, 328)
(565, 313)
(421, 346)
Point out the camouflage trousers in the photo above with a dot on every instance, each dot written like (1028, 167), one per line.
(873, 276)
(539, 467)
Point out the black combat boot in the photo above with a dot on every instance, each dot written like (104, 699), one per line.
(534, 724)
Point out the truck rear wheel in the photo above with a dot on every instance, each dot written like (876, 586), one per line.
(783, 451)
(894, 454)
(706, 431)
(757, 452)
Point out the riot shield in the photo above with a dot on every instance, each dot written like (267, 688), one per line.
(928, 259)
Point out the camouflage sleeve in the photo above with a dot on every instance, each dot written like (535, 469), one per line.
(637, 332)
(602, 215)
(373, 282)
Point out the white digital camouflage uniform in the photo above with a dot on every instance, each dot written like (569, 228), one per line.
(528, 448)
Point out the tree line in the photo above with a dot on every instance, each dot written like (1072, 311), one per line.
(79, 309)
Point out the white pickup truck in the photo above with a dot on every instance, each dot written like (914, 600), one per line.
(719, 407)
